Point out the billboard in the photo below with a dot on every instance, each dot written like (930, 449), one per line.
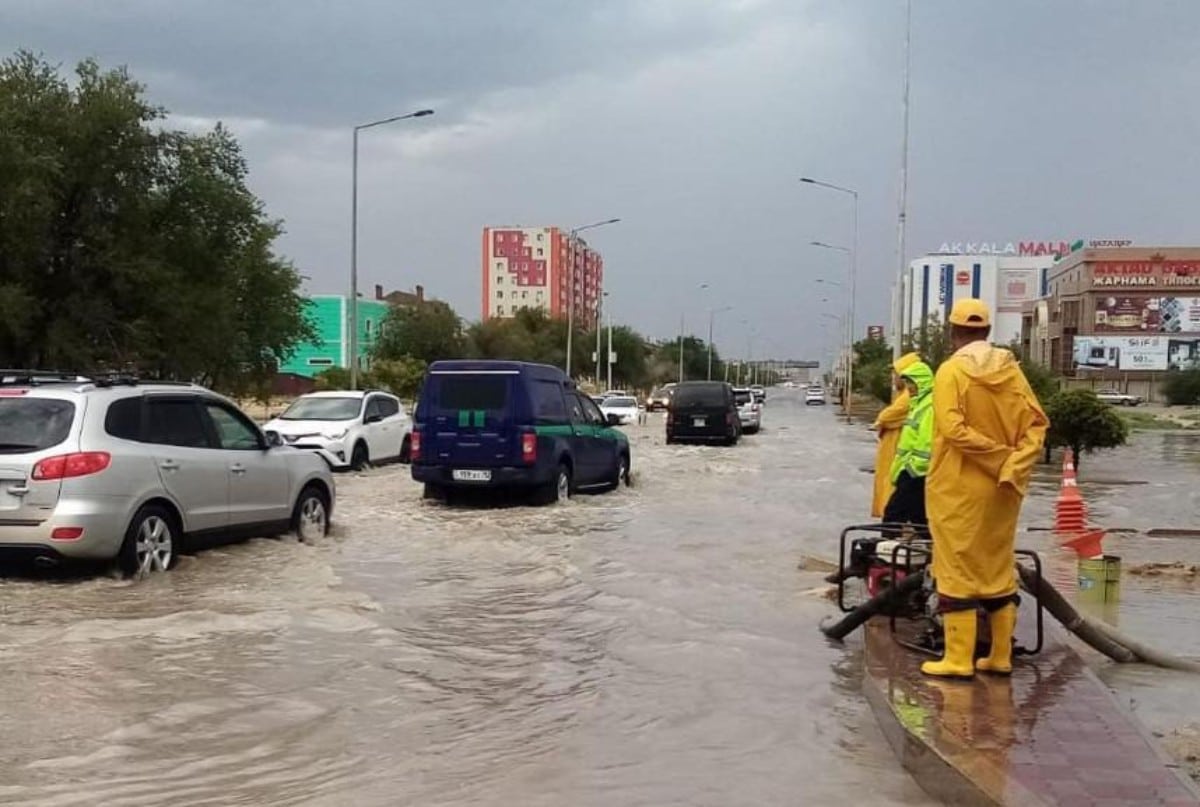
(1018, 286)
(1143, 313)
(875, 332)
(1136, 353)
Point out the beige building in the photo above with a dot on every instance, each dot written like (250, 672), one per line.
(1123, 316)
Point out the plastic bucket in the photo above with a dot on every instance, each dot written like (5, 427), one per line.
(1100, 579)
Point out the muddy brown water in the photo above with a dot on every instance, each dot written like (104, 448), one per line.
(656, 646)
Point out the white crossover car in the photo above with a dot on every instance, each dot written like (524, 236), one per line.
(347, 428)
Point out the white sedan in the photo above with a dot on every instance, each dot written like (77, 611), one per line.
(624, 407)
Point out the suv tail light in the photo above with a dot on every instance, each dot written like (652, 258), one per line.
(529, 448)
(414, 446)
(729, 416)
(67, 466)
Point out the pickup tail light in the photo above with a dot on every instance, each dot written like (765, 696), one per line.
(528, 448)
(69, 466)
(414, 446)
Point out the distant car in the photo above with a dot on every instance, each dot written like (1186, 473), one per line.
(614, 393)
(515, 425)
(347, 428)
(703, 411)
(119, 470)
(624, 407)
(749, 409)
(814, 396)
(660, 398)
(1118, 398)
(760, 394)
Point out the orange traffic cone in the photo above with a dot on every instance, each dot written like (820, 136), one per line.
(1070, 515)
(1070, 511)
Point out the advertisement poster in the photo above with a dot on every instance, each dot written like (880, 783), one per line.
(1140, 313)
(1018, 286)
(1180, 314)
(1132, 312)
(1129, 353)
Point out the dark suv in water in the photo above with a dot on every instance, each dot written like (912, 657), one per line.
(508, 424)
(703, 411)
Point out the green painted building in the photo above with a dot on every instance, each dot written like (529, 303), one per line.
(330, 315)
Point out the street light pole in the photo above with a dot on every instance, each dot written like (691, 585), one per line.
(571, 288)
(853, 252)
(712, 314)
(352, 317)
(902, 221)
(681, 347)
(849, 325)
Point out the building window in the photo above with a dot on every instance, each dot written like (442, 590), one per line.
(499, 279)
(540, 252)
(524, 294)
(541, 236)
(499, 266)
(369, 329)
(320, 361)
(499, 295)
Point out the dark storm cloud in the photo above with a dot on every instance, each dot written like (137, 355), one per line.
(689, 119)
(328, 62)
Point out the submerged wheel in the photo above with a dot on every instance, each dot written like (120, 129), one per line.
(621, 473)
(310, 517)
(558, 489)
(406, 450)
(150, 543)
(360, 458)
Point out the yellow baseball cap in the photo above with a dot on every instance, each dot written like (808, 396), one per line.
(904, 362)
(970, 313)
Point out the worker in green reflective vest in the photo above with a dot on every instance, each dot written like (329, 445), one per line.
(911, 465)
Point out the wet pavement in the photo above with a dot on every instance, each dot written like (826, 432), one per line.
(655, 646)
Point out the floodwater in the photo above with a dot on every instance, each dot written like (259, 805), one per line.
(654, 646)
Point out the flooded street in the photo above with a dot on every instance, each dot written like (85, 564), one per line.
(655, 646)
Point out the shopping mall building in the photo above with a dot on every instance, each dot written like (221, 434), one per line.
(1005, 279)
(1117, 317)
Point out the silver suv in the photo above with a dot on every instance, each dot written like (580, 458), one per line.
(92, 470)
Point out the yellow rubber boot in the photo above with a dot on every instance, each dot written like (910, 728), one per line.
(959, 659)
(1002, 623)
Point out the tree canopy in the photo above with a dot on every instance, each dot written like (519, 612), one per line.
(125, 245)
(1084, 423)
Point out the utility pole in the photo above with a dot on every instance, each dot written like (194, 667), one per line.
(574, 241)
(681, 348)
(903, 217)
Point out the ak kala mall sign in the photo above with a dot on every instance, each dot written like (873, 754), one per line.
(1028, 249)
(1137, 274)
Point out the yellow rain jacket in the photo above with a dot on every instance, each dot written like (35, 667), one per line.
(988, 432)
(888, 425)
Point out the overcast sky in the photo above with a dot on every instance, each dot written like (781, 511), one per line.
(689, 119)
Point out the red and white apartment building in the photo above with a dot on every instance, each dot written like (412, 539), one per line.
(532, 267)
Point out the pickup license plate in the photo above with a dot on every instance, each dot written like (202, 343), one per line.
(472, 476)
(697, 422)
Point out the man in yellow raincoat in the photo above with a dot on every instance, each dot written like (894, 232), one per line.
(887, 426)
(988, 432)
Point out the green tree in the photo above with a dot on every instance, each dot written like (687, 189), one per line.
(664, 361)
(1082, 422)
(125, 245)
(428, 332)
(631, 370)
(1044, 383)
(1182, 387)
(931, 340)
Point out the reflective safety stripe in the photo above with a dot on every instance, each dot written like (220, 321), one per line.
(915, 448)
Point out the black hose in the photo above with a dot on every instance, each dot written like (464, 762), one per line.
(1072, 620)
(842, 628)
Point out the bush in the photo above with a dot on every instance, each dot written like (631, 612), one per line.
(1182, 388)
(1082, 422)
